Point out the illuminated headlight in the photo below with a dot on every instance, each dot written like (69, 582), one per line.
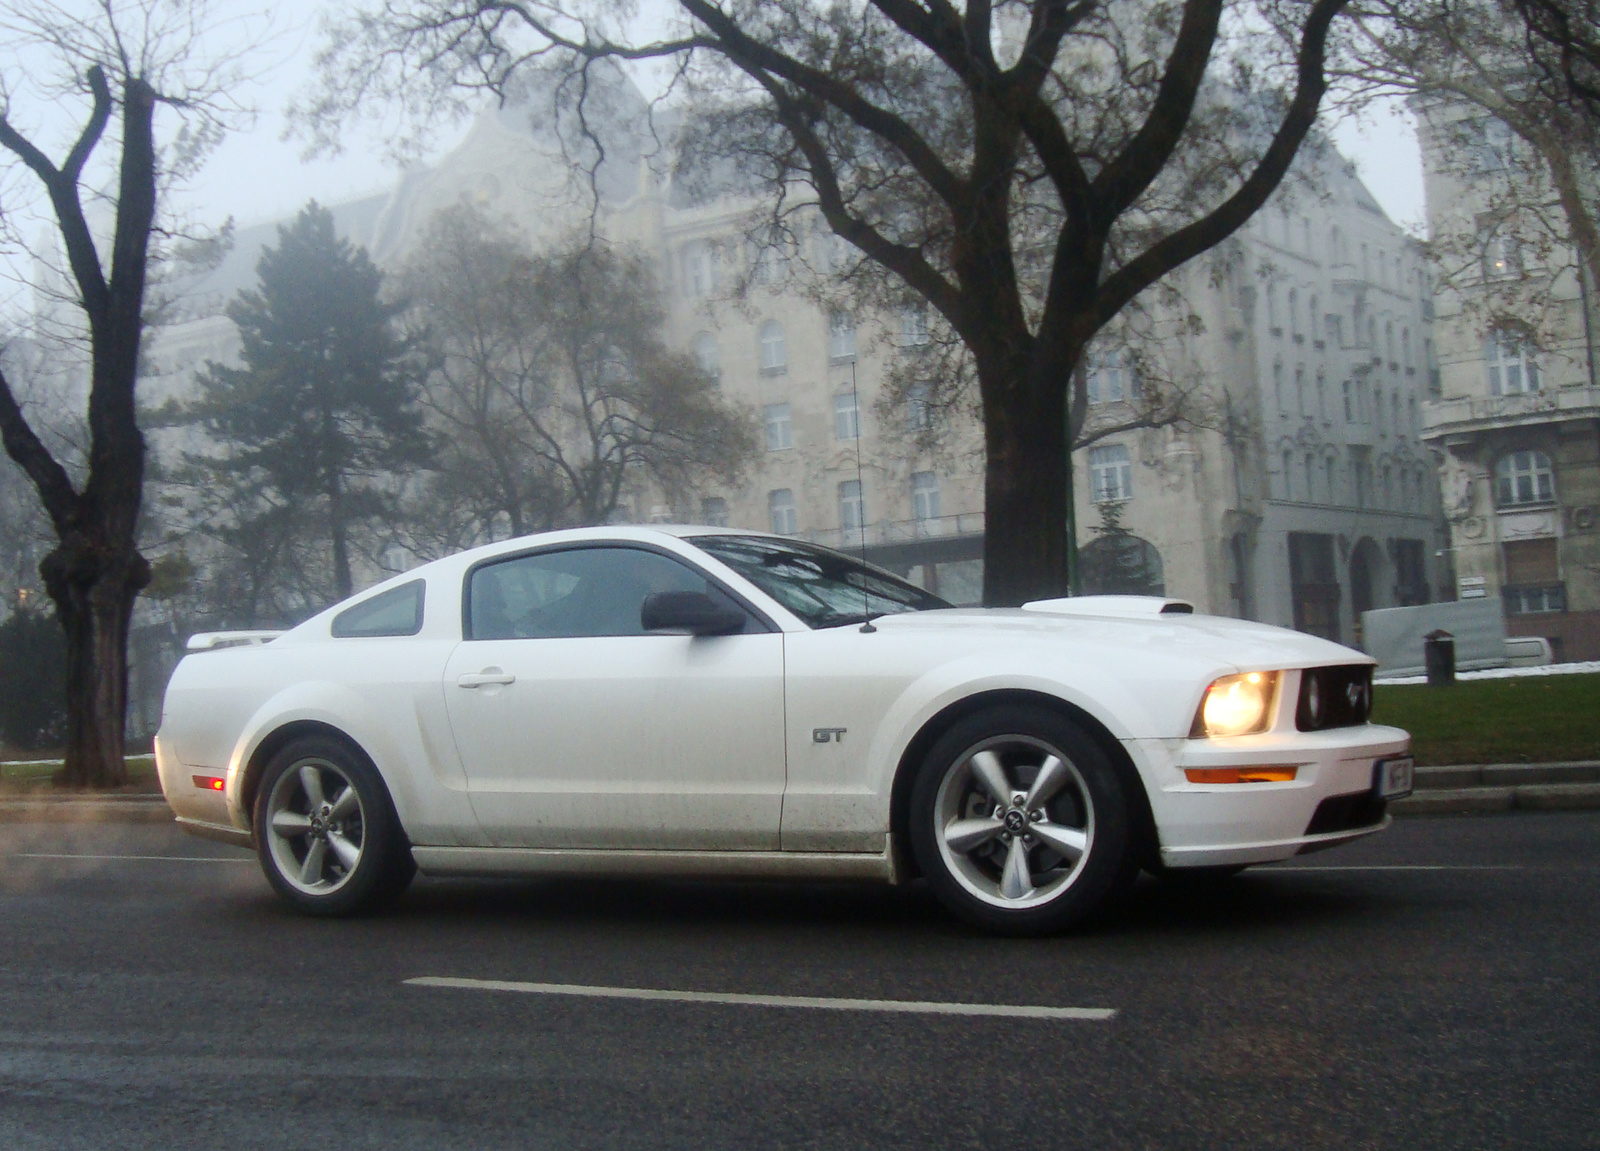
(1237, 705)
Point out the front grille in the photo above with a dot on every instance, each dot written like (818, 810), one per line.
(1334, 697)
(1346, 813)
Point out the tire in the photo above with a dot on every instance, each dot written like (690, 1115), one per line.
(326, 832)
(983, 870)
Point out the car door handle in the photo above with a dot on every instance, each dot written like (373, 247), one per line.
(484, 678)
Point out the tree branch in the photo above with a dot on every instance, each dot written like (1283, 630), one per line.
(49, 478)
(1125, 178)
(1172, 250)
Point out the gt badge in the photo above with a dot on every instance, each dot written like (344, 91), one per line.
(828, 734)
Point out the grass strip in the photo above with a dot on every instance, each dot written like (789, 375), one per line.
(1530, 719)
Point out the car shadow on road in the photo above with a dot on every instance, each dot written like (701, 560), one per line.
(1243, 903)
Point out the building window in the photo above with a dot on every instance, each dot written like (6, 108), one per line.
(1311, 478)
(700, 271)
(1300, 388)
(852, 512)
(1288, 475)
(1110, 474)
(1108, 378)
(1332, 469)
(780, 431)
(1294, 313)
(1511, 366)
(1388, 486)
(1272, 310)
(774, 349)
(707, 357)
(913, 326)
(1313, 320)
(781, 511)
(714, 512)
(1322, 396)
(766, 261)
(1524, 478)
(1349, 403)
(925, 495)
(1495, 153)
(1277, 385)
(846, 416)
(841, 337)
(919, 407)
(1533, 577)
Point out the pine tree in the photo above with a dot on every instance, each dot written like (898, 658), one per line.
(322, 415)
(1115, 562)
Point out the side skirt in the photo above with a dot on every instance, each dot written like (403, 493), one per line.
(502, 861)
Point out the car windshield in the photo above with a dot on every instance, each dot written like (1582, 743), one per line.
(822, 587)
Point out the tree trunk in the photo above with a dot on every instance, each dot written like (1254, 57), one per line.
(344, 583)
(1027, 489)
(94, 588)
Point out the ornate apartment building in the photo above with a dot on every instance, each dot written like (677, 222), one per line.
(1300, 494)
(1515, 410)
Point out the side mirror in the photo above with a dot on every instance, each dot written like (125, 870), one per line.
(690, 611)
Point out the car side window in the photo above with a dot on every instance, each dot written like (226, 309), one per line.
(597, 591)
(397, 611)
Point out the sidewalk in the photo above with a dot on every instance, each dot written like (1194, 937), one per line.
(1465, 790)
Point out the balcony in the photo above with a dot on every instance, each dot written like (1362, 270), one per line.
(1468, 415)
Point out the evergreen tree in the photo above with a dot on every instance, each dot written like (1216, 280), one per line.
(1117, 562)
(322, 416)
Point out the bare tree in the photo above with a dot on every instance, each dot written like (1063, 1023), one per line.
(554, 392)
(1563, 37)
(1027, 168)
(126, 60)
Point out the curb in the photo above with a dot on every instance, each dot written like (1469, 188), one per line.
(1480, 800)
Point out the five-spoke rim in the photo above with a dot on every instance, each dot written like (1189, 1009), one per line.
(1014, 821)
(315, 826)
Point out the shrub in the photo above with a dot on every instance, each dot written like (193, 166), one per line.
(33, 673)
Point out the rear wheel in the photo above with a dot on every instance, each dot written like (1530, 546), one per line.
(326, 832)
(1020, 821)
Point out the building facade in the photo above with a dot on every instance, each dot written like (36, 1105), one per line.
(1515, 414)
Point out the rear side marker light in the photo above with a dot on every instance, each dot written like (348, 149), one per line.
(210, 782)
(1240, 774)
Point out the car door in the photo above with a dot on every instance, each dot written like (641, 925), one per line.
(577, 729)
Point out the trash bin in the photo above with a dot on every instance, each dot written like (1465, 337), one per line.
(1439, 657)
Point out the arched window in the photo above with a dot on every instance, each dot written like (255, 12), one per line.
(1511, 366)
(706, 355)
(774, 350)
(1524, 478)
(1120, 563)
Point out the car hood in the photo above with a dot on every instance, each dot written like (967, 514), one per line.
(1239, 644)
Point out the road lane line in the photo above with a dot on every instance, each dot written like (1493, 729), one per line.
(906, 1006)
(1398, 867)
(159, 858)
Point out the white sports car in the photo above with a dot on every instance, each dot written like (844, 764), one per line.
(697, 701)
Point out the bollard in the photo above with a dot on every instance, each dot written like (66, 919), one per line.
(1439, 657)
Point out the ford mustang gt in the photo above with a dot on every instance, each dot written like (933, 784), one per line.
(692, 701)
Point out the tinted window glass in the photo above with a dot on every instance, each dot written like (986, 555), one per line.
(578, 592)
(822, 587)
(397, 611)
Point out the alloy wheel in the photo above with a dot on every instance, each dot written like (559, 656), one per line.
(1014, 821)
(316, 826)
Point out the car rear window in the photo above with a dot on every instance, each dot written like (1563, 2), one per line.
(397, 611)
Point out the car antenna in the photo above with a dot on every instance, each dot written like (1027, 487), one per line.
(861, 506)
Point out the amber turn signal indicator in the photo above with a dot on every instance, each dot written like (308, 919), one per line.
(210, 782)
(1240, 774)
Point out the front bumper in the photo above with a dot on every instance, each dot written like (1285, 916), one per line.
(1326, 804)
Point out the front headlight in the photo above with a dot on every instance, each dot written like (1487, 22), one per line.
(1237, 705)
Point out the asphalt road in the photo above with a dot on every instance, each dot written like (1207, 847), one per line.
(1438, 987)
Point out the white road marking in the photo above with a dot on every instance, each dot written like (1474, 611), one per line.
(1006, 1010)
(160, 858)
(1398, 867)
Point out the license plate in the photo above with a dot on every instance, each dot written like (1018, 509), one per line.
(1392, 778)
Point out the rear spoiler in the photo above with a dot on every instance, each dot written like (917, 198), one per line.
(214, 640)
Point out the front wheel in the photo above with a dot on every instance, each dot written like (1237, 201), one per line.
(1020, 821)
(326, 832)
